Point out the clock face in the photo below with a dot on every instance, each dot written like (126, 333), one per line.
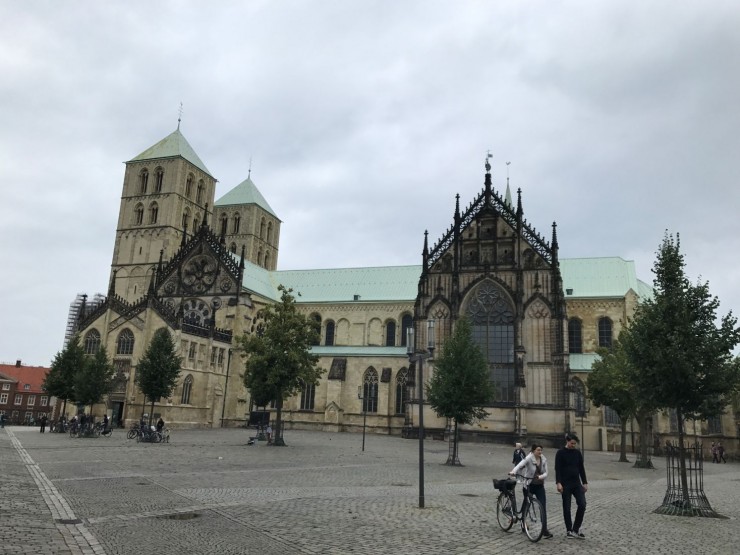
(199, 273)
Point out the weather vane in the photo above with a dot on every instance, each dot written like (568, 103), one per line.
(488, 157)
(507, 170)
(179, 116)
(250, 168)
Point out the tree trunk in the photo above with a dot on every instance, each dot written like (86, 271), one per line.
(643, 459)
(454, 446)
(151, 411)
(277, 433)
(682, 461)
(623, 441)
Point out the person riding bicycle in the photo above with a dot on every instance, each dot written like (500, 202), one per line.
(534, 469)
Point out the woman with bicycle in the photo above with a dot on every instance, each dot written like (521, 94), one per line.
(534, 470)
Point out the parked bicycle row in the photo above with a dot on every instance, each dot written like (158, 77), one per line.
(150, 434)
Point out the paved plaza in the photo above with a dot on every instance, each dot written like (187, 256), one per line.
(208, 492)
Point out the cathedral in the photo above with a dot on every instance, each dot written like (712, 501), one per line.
(203, 268)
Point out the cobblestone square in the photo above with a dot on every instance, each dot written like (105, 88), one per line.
(208, 492)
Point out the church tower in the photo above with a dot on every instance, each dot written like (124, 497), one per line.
(244, 219)
(167, 192)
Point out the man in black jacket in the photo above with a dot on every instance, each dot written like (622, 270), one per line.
(570, 478)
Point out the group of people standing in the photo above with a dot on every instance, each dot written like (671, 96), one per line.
(570, 480)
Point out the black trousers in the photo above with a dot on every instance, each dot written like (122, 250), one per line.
(576, 490)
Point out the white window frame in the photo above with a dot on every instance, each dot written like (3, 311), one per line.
(18, 399)
(44, 400)
(31, 400)
(3, 398)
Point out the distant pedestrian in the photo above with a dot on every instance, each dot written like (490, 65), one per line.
(43, 423)
(715, 453)
(519, 454)
(570, 477)
(2, 420)
(720, 453)
(106, 423)
(268, 433)
(160, 425)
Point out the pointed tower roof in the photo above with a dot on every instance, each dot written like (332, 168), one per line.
(245, 193)
(171, 146)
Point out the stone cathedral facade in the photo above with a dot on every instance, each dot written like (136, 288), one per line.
(203, 267)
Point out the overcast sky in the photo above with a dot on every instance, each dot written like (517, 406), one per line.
(362, 121)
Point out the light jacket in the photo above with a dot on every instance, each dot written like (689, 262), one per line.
(528, 468)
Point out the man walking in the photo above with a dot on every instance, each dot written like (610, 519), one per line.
(570, 478)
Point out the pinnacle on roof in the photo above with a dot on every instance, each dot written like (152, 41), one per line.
(171, 146)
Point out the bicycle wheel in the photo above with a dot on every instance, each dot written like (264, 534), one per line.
(156, 437)
(131, 434)
(533, 520)
(140, 437)
(505, 512)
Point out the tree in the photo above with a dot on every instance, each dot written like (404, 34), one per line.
(278, 361)
(683, 350)
(94, 379)
(60, 380)
(461, 385)
(159, 369)
(611, 383)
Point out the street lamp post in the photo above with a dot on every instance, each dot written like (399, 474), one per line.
(419, 357)
(364, 414)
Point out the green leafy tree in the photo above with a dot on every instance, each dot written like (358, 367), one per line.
(159, 369)
(461, 385)
(278, 359)
(611, 383)
(95, 379)
(60, 380)
(683, 349)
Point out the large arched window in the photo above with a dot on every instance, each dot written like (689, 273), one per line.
(267, 260)
(125, 343)
(329, 340)
(158, 180)
(189, 185)
(139, 214)
(236, 223)
(317, 318)
(406, 322)
(605, 332)
(308, 394)
(153, 213)
(269, 232)
(92, 342)
(187, 388)
(402, 391)
(492, 318)
(262, 228)
(143, 181)
(199, 192)
(370, 390)
(575, 342)
(390, 334)
(224, 223)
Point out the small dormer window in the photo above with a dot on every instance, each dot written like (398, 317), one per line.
(27, 387)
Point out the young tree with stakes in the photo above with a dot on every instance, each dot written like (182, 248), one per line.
(682, 348)
(461, 385)
(278, 359)
(159, 369)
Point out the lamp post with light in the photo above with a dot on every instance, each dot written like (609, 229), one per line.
(420, 356)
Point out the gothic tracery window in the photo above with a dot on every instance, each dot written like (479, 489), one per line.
(143, 181)
(158, 180)
(92, 342)
(308, 394)
(605, 332)
(187, 388)
(153, 213)
(370, 390)
(139, 214)
(125, 343)
(492, 319)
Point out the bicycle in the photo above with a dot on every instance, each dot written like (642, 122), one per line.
(102, 430)
(529, 516)
(150, 436)
(133, 431)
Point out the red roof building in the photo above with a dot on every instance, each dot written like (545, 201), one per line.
(22, 399)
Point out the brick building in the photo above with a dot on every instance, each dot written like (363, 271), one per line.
(22, 399)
